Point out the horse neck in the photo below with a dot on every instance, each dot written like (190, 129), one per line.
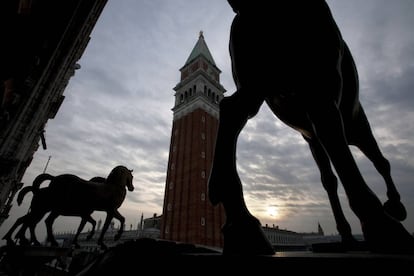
(116, 180)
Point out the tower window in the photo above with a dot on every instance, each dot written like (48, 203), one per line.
(171, 185)
(203, 136)
(203, 174)
(169, 207)
(203, 154)
(203, 221)
(203, 196)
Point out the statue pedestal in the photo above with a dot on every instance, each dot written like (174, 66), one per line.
(187, 259)
(173, 258)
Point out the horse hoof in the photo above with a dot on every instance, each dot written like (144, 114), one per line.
(395, 209)
(24, 242)
(117, 236)
(351, 244)
(248, 230)
(10, 242)
(348, 240)
(383, 234)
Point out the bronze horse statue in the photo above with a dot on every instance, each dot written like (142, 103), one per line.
(70, 195)
(43, 195)
(306, 75)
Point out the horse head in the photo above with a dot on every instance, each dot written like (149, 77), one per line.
(129, 178)
(122, 176)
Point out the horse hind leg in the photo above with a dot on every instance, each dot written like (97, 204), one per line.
(34, 220)
(34, 240)
(366, 142)
(330, 184)
(8, 235)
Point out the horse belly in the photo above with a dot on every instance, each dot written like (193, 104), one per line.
(290, 112)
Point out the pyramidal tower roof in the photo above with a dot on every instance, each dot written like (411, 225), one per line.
(200, 48)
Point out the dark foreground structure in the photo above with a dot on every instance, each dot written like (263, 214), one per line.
(161, 256)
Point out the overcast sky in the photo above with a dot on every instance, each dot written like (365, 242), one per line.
(118, 110)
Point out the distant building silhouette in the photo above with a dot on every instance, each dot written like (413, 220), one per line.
(281, 239)
(153, 222)
(188, 215)
(146, 228)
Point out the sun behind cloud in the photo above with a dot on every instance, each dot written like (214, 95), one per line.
(273, 211)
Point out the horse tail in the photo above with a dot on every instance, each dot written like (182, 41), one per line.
(22, 193)
(40, 178)
(35, 186)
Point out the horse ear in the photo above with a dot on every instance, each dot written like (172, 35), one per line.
(131, 171)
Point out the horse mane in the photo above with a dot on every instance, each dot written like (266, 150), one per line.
(118, 170)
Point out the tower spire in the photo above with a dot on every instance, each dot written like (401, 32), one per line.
(200, 49)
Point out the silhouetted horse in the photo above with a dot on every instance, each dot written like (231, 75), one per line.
(70, 195)
(39, 196)
(292, 56)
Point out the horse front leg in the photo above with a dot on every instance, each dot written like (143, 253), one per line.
(93, 222)
(121, 219)
(330, 184)
(223, 183)
(225, 186)
(382, 233)
(49, 228)
(108, 219)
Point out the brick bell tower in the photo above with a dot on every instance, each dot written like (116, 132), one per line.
(188, 215)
